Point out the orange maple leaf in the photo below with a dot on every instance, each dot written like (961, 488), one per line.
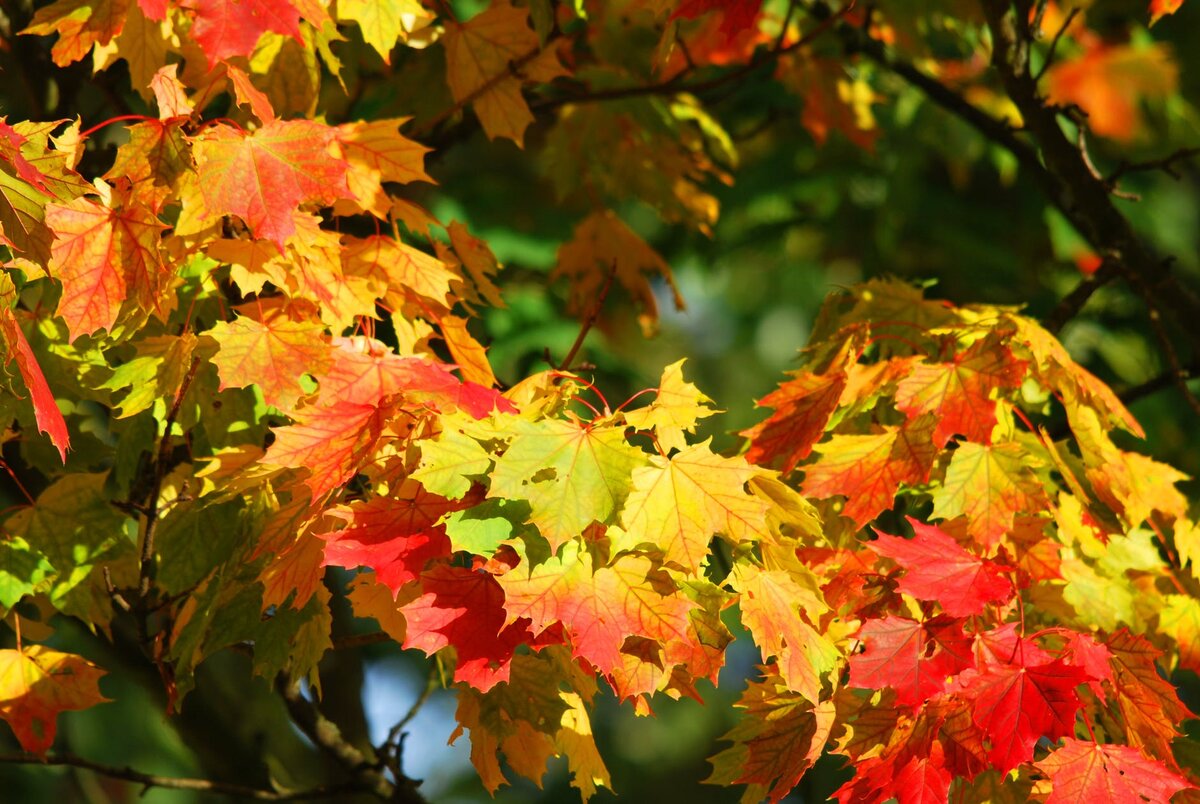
(36, 683)
(264, 176)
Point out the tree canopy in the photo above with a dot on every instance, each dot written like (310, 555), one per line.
(723, 396)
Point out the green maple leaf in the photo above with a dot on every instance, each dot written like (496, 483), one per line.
(571, 475)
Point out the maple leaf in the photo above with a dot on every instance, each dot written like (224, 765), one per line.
(571, 475)
(1085, 771)
(938, 568)
(36, 683)
(169, 94)
(1109, 82)
(803, 406)
(262, 177)
(678, 504)
(675, 411)
(153, 160)
(1016, 705)
(330, 442)
(225, 28)
(960, 392)
(376, 152)
(737, 14)
(45, 410)
(1161, 8)
(11, 141)
(923, 780)
(779, 738)
(603, 248)
(480, 264)
(398, 269)
(273, 354)
(989, 485)
(156, 372)
(869, 469)
(778, 610)
(102, 257)
(369, 598)
(604, 612)
(450, 462)
(368, 371)
(80, 24)
(898, 654)
(487, 58)
(383, 22)
(1148, 703)
(530, 718)
(464, 609)
(396, 536)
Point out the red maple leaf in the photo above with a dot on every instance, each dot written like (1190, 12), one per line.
(1016, 705)
(10, 151)
(465, 609)
(368, 371)
(959, 392)
(1084, 771)
(869, 469)
(803, 406)
(938, 568)
(395, 536)
(45, 411)
(225, 28)
(899, 654)
(739, 14)
(923, 780)
(330, 442)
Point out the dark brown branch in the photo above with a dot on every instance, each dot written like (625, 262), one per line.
(589, 321)
(1166, 165)
(147, 568)
(1054, 42)
(1178, 372)
(325, 734)
(1073, 187)
(1074, 301)
(1163, 381)
(361, 640)
(149, 780)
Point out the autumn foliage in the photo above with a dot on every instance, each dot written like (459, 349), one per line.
(958, 575)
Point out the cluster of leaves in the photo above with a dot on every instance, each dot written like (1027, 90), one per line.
(240, 341)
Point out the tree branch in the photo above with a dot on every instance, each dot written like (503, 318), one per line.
(149, 780)
(1074, 301)
(325, 734)
(1070, 182)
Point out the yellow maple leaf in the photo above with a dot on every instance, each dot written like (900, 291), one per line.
(488, 58)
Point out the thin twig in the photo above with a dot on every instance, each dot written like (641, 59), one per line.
(677, 85)
(513, 70)
(1166, 165)
(325, 734)
(361, 640)
(1177, 369)
(149, 780)
(1165, 380)
(1074, 301)
(1054, 43)
(586, 326)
